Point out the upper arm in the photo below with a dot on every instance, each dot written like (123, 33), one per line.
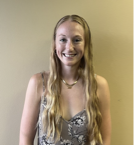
(31, 110)
(104, 105)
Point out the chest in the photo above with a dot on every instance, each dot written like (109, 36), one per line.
(73, 131)
(72, 100)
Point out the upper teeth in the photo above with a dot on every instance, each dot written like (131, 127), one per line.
(69, 55)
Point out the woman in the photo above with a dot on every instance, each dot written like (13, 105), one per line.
(75, 103)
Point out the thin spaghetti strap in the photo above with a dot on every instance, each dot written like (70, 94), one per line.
(95, 75)
(43, 81)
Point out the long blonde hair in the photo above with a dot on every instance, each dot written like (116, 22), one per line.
(51, 115)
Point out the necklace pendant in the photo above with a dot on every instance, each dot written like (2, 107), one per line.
(69, 87)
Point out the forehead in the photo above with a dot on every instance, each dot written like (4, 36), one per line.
(70, 28)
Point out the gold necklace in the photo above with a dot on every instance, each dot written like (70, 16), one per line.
(70, 85)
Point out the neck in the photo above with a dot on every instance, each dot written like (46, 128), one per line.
(69, 74)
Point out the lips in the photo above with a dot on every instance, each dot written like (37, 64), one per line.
(69, 55)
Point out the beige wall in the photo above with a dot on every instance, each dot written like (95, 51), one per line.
(25, 36)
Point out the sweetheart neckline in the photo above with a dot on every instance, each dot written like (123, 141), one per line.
(73, 116)
(45, 99)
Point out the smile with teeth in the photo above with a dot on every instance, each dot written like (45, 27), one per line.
(69, 55)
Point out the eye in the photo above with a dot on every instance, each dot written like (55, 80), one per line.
(77, 40)
(63, 40)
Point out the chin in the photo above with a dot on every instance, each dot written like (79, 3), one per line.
(70, 63)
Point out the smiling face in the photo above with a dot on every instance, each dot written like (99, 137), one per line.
(69, 43)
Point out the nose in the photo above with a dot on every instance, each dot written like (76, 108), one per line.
(70, 45)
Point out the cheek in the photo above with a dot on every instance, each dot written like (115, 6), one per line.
(82, 52)
(82, 48)
(59, 47)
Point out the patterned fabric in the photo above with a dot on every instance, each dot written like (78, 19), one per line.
(73, 131)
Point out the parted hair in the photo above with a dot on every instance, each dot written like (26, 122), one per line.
(51, 115)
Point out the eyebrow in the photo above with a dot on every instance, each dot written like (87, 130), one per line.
(61, 35)
(74, 36)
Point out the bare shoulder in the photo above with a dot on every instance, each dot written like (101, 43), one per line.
(101, 81)
(36, 82)
(103, 88)
(36, 79)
